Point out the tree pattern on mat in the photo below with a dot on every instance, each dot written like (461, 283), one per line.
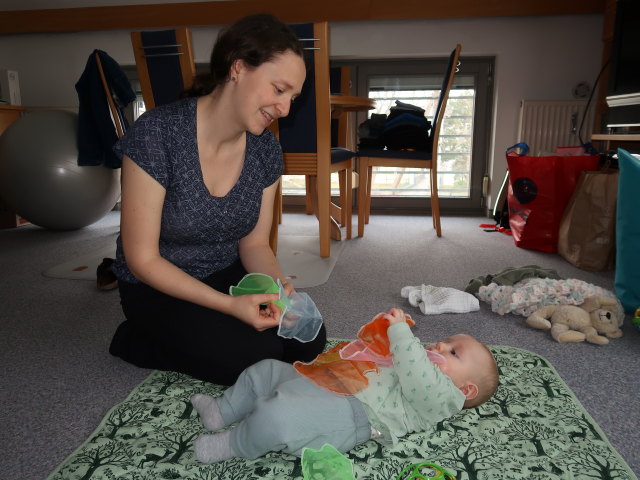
(532, 429)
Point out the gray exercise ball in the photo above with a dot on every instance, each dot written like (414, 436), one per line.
(40, 178)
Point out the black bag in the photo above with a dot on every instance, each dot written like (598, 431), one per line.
(370, 131)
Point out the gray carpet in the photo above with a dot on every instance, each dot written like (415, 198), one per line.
(54, 333)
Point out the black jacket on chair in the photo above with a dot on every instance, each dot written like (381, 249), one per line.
(96, 131)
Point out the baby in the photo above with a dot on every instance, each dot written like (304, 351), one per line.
(278, 409)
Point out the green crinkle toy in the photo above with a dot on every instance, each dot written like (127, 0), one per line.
(325, 464)
(253, 283)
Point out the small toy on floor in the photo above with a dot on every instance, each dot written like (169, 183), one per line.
(327, 463)
(570, 323)
(636, 318)
(425, 471)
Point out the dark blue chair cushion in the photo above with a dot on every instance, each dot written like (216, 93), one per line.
(298, 129)
(339, 154)
(408, 154)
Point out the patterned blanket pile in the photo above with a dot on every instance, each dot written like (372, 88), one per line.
(534, 428)
(527, 296)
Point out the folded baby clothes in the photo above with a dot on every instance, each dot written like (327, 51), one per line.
(434, 300)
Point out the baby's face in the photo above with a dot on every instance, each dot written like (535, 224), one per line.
(460, 357)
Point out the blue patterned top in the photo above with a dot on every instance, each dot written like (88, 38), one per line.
(199, 232)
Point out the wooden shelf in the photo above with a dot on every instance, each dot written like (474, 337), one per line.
(616, 137)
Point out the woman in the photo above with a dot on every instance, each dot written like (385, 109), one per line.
(198, 184)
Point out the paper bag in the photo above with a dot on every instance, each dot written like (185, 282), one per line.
(587, 230)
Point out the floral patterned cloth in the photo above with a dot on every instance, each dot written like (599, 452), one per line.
(527, 296)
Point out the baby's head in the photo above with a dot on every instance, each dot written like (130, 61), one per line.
(470, 365)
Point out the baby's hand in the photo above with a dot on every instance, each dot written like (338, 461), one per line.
(395, 315)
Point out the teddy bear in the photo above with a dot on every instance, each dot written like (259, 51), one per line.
(570, 323)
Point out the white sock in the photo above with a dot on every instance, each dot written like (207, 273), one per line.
(404, 291)
(436, 300)
(415, 297)
(214, 448)
(209, 412)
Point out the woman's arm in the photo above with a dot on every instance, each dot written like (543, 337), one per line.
(142, 201)
(255, 252)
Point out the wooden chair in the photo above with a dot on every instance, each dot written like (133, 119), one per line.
(164, 60)
(305, 136)
(370, 158)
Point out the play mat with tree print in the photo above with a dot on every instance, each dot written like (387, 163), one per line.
(534, 428)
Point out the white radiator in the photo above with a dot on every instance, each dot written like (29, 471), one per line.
(547, 124)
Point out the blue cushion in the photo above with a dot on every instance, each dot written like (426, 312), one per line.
(298, 129)
(627, 277)
(338, 154)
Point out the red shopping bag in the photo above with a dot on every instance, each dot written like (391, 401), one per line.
(539, 190)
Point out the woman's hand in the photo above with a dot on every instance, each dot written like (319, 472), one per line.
(247, 309)
(288, 288)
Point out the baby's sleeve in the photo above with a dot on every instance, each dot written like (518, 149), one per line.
(430, 392)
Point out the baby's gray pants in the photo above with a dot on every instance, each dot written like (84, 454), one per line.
(279, 410)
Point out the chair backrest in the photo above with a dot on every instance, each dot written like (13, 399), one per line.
(164, 60)
(307, 128)
(447, 84)
(340, 82)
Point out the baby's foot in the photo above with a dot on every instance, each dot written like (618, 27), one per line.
(214, 448)
(207, 408)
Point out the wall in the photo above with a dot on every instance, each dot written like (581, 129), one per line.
(536, 58)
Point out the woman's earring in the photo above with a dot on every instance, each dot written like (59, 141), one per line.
(233, 79)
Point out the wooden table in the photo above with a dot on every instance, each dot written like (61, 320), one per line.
(348, 103)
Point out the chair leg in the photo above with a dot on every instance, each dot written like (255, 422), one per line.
(362, 195)
(280, 202)
(347, 206)
(342, 182)
(276, 219)
(308, 202)
(369, 181)
(435, 203)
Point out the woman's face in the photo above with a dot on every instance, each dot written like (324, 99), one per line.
(265, 93)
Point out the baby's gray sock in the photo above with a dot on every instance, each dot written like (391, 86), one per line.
(207, 408)
(214, 448)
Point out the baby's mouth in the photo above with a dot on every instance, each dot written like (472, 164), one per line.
(435, 357)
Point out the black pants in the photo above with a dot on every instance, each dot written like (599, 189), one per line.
(165, 333)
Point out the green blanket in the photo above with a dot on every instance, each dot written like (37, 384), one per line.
(534, 428)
